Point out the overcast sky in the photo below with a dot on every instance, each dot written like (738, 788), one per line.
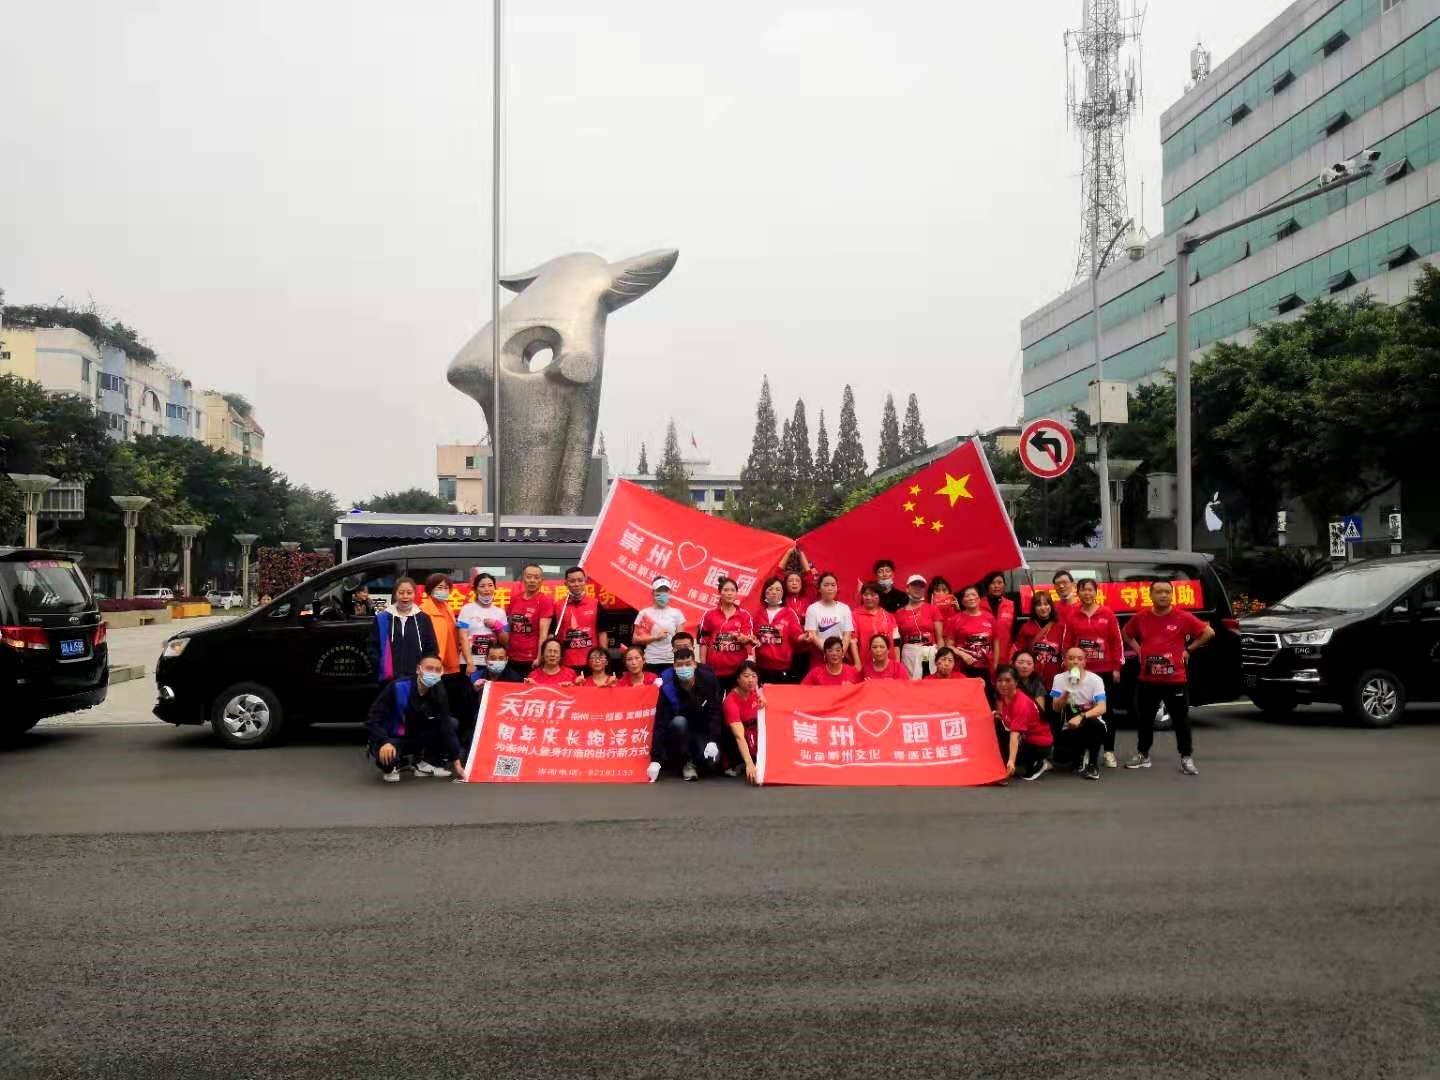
(290, 199)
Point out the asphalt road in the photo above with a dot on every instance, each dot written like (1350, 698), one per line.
(178, 910)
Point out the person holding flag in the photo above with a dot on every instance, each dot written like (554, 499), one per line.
(920, 627)
(871, 620)
(727, 635)
(656, 626)
(577, 624)
(1096, 630)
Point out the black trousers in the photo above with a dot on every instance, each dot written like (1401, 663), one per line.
(783, 678)
(522, 668)
(1148, 698)
(675, 744)
(1028, 756)
(435, 747)
(1087, 737)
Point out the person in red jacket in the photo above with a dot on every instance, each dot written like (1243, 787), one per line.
(870, 619)
(727, 635)
(880, 663)
(1043, 636)
(971, 633)
(832, 671)
(1094, 628)
(802, 588)
(742, 714)
(992, 592)
(577, 623)
(1165, 636)
(779, 632)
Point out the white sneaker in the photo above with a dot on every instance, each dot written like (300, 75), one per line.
(688, 772)
(391, 775)
(424, 768)
(1187, 766)
(1110, 762)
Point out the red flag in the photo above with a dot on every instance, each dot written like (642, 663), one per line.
(640, 536)
(948, 519)
(936, 732)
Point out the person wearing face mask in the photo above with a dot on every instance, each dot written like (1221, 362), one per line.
(577, 623)
(410, 723)
(779, 633)
(892, 598)
(494, 669)
(482, 622)
(656, 627)
(452, 645)
(403, 633)
(688, 719)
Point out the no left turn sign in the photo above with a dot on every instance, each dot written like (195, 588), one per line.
(1047, 448)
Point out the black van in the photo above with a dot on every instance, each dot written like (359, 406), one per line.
(54, 657)
(1214, 673)
(1365, 637)
(305, 656)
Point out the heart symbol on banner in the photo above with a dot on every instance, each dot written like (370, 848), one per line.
(692, 555)
(874, 722)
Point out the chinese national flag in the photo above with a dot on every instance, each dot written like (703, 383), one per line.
(947, 518)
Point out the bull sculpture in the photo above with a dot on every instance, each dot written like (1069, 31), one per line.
(549, 414)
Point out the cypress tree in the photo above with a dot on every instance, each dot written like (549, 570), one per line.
(912, 435)
(644, 467)
(671, 479)
(804, 465)
(786, 471)
(824, 475)
(848, 463)
(763, 492)
(891, 451)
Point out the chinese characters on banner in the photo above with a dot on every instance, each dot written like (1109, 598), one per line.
(505, 590)
(926, 733)
(1130, 595)
(546, 734)
(640, 536)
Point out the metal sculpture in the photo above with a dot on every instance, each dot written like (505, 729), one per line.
(552, 357)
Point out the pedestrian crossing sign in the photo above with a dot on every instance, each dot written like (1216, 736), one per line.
(1354, 531)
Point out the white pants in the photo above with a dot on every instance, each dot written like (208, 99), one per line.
(913, 656)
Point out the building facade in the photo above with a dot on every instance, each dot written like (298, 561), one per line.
(1324, 81)
(230, 430)
(707, 489)
(462, 476)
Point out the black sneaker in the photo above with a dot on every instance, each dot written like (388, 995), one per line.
(1041, 768)
(1092, 772)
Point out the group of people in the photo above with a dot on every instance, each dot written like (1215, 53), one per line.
(1050, 684)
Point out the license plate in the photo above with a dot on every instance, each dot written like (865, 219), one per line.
(1251, 681)
(73, 647)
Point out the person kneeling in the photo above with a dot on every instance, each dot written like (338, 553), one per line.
(687, 719)
(1030, 740)
(411, 720)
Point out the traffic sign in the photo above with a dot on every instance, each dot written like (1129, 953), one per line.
(1337, 539)
(1047, 448)
(1354, 528)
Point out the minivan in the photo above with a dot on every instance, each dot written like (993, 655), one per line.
(1365, 637)
(53, 655)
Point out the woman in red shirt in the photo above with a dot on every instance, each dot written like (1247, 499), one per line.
(833, 671)
(742, 715)
(550, 672)
(942, 597)
(945, 664)
(1028, 744)
(919, 625)
(778, 630)
(597, 674)
(992, 590)
(870, 619)
(879, 664)
(971, 633)
(635, 673)
(727, 635)
(1042, 636)
(802, 588)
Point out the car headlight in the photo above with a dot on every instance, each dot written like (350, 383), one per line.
(174, 647)
(1308, 637)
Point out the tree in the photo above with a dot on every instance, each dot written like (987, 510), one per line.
(824, 474)
(643, 469)
(310, 516)
(409, 501)
(58, 434)
(762, 497)
(848, 464)
(671, 478)
(786, 458)
(912, 435)
(804, 464)
(891, 451)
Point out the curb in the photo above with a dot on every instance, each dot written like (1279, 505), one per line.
(121, 673)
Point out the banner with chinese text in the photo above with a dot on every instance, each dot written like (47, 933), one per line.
(550, 734)
(930, 732)
(1129, 595)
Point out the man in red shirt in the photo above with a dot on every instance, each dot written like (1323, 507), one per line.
(1165, 636)
(1093, 627)
(577, 623)
(530, 615)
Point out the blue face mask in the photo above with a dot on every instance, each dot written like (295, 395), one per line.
(497, 667)
(661, 599)
(441, 595)
(685, 674)
(430, 678)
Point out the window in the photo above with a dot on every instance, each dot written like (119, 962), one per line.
(112, 382)
(469, 462)
(1288, 303)
(1342, 280)
(1398, 256)
(1288, 227)
(1333, 42)
(334, 600)
(445, 488)
(719, 495)
(175, 412)
(1285, 78)
(84, 367)
(1396, 169)
(698, 494)
(1239, 114)
(1336, 122)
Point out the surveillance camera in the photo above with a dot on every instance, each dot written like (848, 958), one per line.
(1361, 162)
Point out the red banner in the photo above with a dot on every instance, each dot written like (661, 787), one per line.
(640, 536)
(930, 732)
(1130, 595)
(504, 590)
(546, 734)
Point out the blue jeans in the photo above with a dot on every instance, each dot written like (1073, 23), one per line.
(677, 744)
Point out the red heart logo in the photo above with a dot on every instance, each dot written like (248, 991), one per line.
(874, 722)
(692, 555)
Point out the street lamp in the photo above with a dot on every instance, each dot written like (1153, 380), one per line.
(1333, 178)
(1121, 470)
(131, 505)
(1011, 494)
(245, 540)
(1101, 439)
(290, 545)
(33, 486)
(187, 534)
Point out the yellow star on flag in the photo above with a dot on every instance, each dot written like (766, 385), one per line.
(914, 489)
(919, 521)
(910, 505)
(937, 524)
(955, 488)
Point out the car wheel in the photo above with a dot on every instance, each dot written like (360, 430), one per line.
(1277, 705)
(1377, 699)
(246, 716)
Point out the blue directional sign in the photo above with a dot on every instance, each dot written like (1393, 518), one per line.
(1354, 528)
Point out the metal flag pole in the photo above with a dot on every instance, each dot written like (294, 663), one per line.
(495, 290)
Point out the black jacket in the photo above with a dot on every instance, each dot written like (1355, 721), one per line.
(700, 703)
(402, 712)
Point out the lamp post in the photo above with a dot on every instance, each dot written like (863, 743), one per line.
(1097, 260)
(245, 540)
(1011, 494)
(1121, 470)
(1334, 178)
(33, 486)
(187, 534)
(131, 505)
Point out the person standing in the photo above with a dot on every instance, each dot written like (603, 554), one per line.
(454, 656)
(828, 617)
(779, 632)
(1043, 636)
(577, 623)
(920, 626)
(1029, 743)
(411, 719)
(530, 615)
(871, 619)
(727, 635)
(971, 633)
(992, 590)
(1080, 699)
(832, 670)
(892, 599)
(550, 671)
(688, 719)
(742, 717)
(403, 633)
(879, 664)
(1094, 628)
(942, 597)
(1165, 636)
(482, 621)
(656, 627)
(1066, 597)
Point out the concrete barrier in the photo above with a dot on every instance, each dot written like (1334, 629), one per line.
(126, 673)
(122, 620)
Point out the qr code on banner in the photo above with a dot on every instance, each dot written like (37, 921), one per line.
(507, 766)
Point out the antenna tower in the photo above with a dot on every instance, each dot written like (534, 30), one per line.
(1105, 56)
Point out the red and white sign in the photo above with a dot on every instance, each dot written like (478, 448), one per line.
(931, 732)
(640, 536)
(1047, 448)
(1129, 595)
(557, 735)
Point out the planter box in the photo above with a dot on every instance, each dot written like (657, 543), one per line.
(188, 611)
(120, 620)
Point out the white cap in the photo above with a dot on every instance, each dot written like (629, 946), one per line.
(661, 583)
(913, 578)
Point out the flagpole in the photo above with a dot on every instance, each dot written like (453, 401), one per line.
(495, 289)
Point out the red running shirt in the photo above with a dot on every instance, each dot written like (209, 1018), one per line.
(1099, 635)
(973, 633)
(1023, 715)
(539, 675)
(525, 613)
(778, 634)
(893, 670)
(720, 634)
(647, 679)
(1162, 640)
(917, 624)
(819, 676)
(577, 625)
(870, 623)
(744, 710)
(1045, 643)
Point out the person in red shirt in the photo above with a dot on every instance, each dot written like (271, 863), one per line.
(550, 672)
(1067, 599)
(577, 622)
(1031, 745)
(1094, 628)
(919, 625)
(870, 619)
(742, 716)
(1165, 636)
(879, 663)
(727, 635)
(833, 671)
(945, 664)
(778, 631)
(992, 591)
(971, 633)
(942, 597)
(635, 673)
(530, 615)
(1043, 636)
(802, 588)
(597, 673)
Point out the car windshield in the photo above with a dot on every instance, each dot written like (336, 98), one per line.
(44, 586)
(1353, 589)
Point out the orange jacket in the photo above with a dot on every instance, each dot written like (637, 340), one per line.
(447, 634)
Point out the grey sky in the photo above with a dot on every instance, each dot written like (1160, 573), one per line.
(290, 199)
